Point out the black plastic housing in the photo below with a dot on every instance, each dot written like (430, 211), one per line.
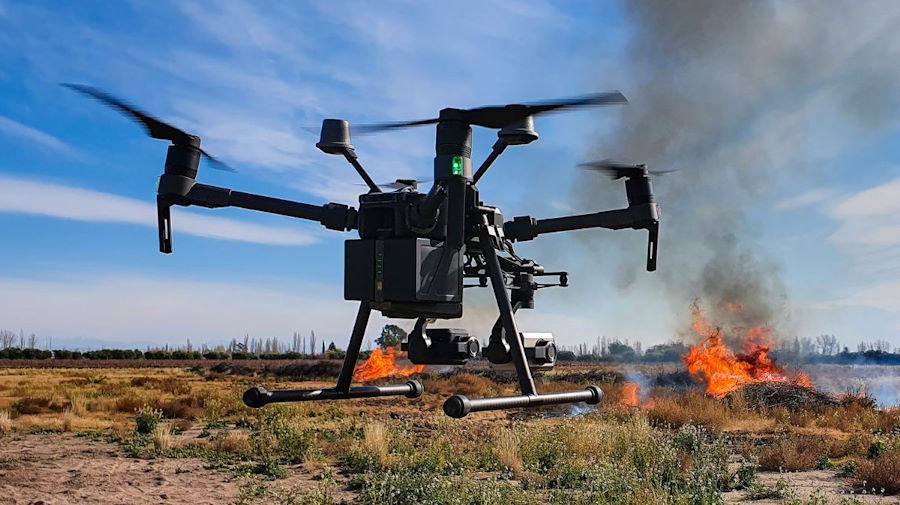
(386, 215)
(403, 270)
(441, 346)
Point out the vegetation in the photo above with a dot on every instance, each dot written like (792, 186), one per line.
(684, 447)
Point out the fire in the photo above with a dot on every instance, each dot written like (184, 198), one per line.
(632, 397)
(726, 371)
(383, 364)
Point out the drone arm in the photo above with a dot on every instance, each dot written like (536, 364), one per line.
(333, 216)
(638, 217)
(643, 216)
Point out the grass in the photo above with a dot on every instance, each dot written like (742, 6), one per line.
(676, 450)
(881, 472)
(163, 438)
(5, 422)
(508, 451)
(793, 454)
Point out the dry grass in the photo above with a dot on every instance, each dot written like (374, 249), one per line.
(68, 420)
(880, 475)
(695, 408)
(375, 441)
(508, 451)
(77, 404)
(163, 438)
(5, 422)
(793, 454)
(233, 443)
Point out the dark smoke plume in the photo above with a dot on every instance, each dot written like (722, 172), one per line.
(742, 97)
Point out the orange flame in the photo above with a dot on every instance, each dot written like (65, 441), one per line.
(631, 397)
(383, 364)
(726, 371)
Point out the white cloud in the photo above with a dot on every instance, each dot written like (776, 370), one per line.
(23, 196)
(13, 128)
(880, 201)
(806, 199)
(869, 220)
(882, 295)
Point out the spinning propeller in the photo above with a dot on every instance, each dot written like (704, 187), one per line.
(497, 116)
(154, 127)
(618, 170)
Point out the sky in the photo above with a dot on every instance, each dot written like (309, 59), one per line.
(80, 263)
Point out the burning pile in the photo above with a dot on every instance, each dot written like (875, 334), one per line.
(382, 364)
(726, 371)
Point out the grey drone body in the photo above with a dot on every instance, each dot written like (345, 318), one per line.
(415, 250)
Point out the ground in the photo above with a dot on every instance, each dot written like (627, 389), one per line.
(71, 438)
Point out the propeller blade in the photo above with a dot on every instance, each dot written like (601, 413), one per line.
(217, 163)
(364, 129)
(154, 127)
(398, 183)
(502, 116)
(496, 116)
(617, 170)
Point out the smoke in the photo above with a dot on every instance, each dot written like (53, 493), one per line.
(743, 98)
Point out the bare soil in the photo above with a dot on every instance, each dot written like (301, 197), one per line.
(56, 469)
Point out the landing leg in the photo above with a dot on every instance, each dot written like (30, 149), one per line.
(507, 318)
(258, 396)
(459, 406)
(356, 338)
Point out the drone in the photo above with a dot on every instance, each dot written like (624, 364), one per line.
(416, 253)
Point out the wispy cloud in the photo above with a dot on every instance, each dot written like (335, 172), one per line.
(869, 219)
(12, 128)
(806, 199)
(882, 296)
(24, 196)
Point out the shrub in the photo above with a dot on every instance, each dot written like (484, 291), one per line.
(147, 419)
(233, 443)
(881, 475)
(793, 454)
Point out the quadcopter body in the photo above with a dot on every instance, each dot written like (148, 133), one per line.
(415, 252)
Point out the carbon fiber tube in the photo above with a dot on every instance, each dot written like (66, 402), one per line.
(258, 397)
(458, 406)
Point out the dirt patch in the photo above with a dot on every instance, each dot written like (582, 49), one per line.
(803, 485)
(56, 469)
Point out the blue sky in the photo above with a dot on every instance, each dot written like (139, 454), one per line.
(80, 257)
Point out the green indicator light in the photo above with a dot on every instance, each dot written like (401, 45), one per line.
(456, 166)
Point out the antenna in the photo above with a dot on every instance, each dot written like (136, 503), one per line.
(335, 139)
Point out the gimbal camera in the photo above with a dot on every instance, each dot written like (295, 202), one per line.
(416, 250)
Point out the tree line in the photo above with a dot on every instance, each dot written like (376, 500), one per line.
(825, 349)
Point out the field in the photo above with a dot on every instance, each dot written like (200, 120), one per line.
(160, 434)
